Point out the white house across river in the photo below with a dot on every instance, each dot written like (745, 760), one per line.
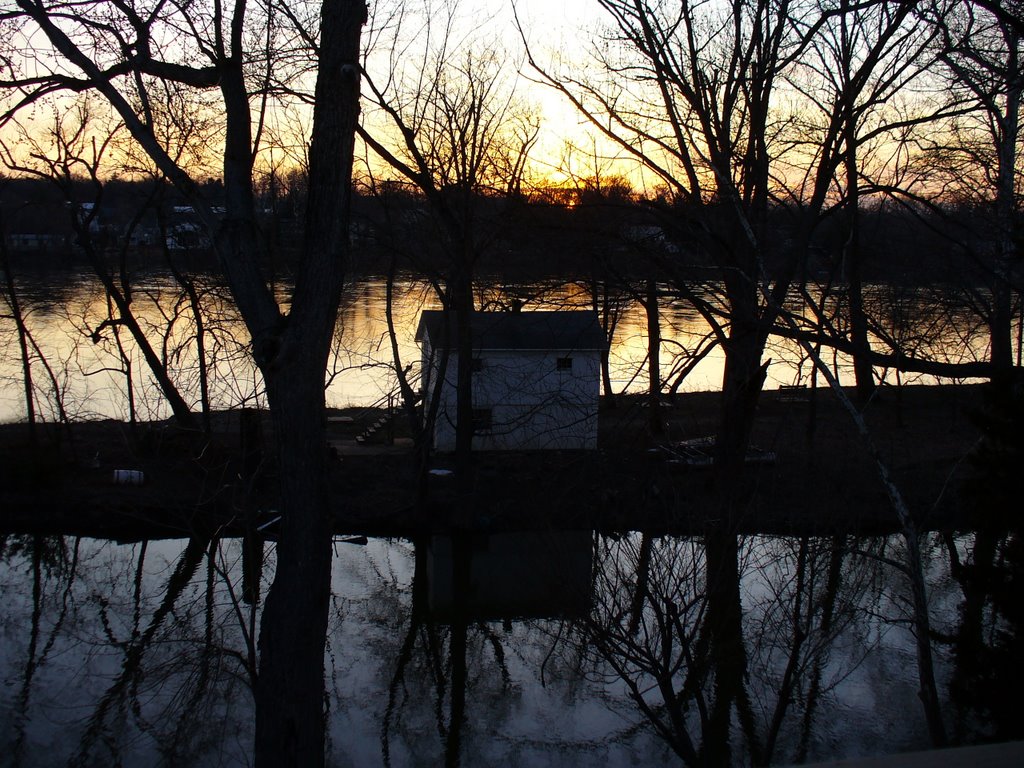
(536, 378)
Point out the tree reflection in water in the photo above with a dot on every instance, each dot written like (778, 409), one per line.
(134, 653)
(742, 651)
(477, 633)
(518, 650)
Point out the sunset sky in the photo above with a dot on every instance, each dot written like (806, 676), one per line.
(401, 39)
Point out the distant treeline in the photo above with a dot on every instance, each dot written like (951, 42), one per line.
(577, 232)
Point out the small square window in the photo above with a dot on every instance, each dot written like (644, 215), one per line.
(482, 421)
(563, 364)
(477, 365)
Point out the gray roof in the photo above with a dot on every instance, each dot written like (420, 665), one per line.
(568, 330)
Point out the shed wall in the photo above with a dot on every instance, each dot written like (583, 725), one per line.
(534, 404)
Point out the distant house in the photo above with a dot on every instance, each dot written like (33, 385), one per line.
(185, 231)
(536, 378)
(31, 241)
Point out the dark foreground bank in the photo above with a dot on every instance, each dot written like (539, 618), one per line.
(812, 473)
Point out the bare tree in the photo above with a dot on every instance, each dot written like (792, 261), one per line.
(73, 156)
(857, 66)
(18, 315)
(120, 50)
(690, 97)
(670, 620)
(763, 121)
(463, 140)
(978, 158)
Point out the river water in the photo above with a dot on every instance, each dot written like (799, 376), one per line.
(541, 653)
(516, 649)
(83, 366)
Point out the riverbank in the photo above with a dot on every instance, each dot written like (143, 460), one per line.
(814, 475)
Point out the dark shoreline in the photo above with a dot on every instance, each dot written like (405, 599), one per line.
(821, 483)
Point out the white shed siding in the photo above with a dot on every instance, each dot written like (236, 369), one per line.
(527, 400)
(533, 404)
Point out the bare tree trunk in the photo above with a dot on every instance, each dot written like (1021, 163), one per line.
(290, 720)
(790, 677)
(462, 563)
(741, 384)
(828, 608)
(654, 422)
(728, 655)
(983, 58)
(126, 363)
(599, 291)
(112, 704)
(409, 399)
(204, 371)
(20, 713)
(928, 692)
(913, 568)
(188, 285)
(1006, 216)
(862, 369)
(976, 581)
(23, 335)
(126, 317)
(290, 689)
(641, 591)
(462, 303)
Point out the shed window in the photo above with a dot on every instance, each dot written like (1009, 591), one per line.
(483, 420)
(477, 365)
(563, 364)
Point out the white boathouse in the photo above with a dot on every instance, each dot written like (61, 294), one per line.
(536, 378)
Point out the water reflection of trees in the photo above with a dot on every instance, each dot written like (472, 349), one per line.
(725, 649)
(728, 644)
(92, 378)
(986, 640)
(143, 654)
(440, 662)
(464, 678)
(749, 647)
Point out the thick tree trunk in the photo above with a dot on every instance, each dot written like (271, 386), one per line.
(290, 690)
(741, 389)
(290, 719)
(728, 655)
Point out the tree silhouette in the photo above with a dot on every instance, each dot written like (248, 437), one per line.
(123, 52)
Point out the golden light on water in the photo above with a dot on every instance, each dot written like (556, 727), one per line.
(361, 369)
